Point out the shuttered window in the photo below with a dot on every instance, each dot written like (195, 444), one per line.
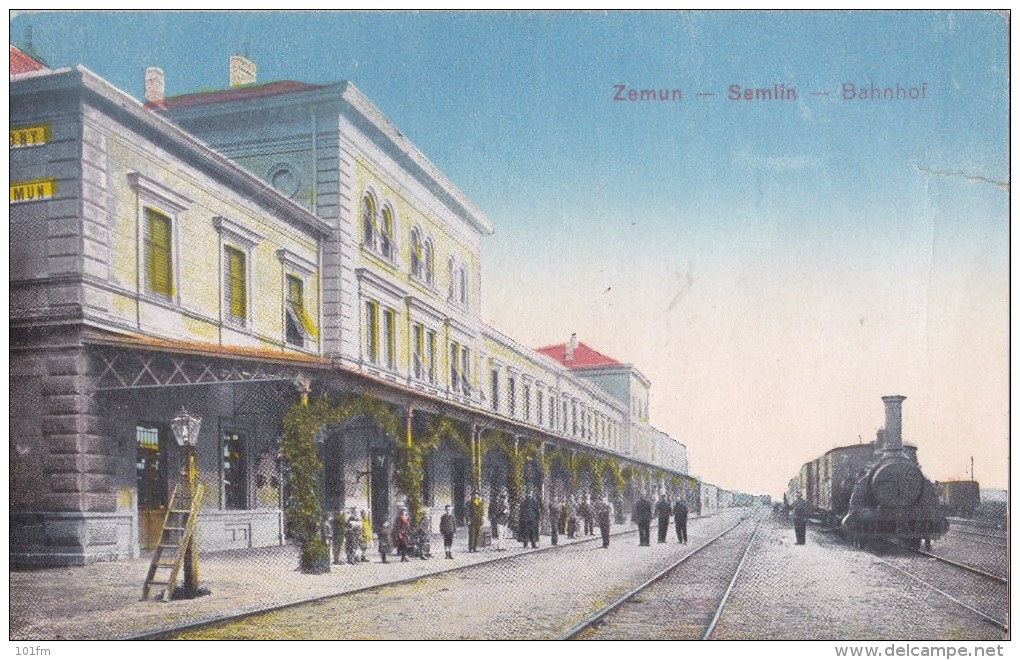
(159, 275)
(372, 331)
(297, 329)
(236, 284)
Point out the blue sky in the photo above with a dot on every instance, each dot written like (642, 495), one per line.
(773, 267)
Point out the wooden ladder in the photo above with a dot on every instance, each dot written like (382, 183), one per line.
(178, 527)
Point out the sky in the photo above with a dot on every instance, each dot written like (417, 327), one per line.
(773, 267)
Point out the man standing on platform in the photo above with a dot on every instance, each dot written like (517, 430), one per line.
(604, 514)
(554, 521)
(680, 520)
(801, 510)
(531, 511)
(587, 513)
(663, 511)
(475, 517)
(448, 527)
(643, 518)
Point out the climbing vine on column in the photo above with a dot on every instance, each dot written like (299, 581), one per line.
(301, 424)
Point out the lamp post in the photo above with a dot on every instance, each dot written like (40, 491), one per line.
(185, 427)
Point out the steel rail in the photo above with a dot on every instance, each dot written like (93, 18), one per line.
(220, 619)
(592, 619)
(733, 581)
(978, 571)
(985, 616)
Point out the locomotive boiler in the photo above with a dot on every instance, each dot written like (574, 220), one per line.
(874, 491)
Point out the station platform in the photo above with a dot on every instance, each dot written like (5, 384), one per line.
(102, 601)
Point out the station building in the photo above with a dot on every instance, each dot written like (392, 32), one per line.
(234, 252)
(148, 273)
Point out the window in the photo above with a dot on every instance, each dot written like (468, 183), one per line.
(538, 405)
(527, 403)
(429, 263)
(430, 354)
(150, 469)
(368, 220)
(417, 255)
(159, 273)
(418, 359)
(372, 331)
(511, 398)
(235, 487)
(235, 284)
(465, 370)
(298, 324)
(494, 377)
(451, 269)
(386, 245)
(389, 338)
(454, 366)
(552, 411)
(463, 286)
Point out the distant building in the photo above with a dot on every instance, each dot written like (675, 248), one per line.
(631, 388)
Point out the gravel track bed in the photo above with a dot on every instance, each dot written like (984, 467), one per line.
(965, 550)
(680, 605)
(524, 597)
(827, 590)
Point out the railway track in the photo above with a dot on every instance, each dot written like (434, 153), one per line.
(651, 609)
(990, 592)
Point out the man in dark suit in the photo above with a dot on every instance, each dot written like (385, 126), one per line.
(801, 511)
(643, 518)
(604, 514)
(531, 511)
(680, 520)
(475, 516)
(663, 511)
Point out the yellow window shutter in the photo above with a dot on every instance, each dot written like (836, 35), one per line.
(158, 253)
(237, 283)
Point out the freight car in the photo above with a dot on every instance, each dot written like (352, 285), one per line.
(959, 498)
(875, 490)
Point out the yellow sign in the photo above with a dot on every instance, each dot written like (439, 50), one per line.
(32, 191)
(30, 136)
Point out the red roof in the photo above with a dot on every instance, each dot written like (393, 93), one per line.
(22, 62)
(584, 356)
(233, 94)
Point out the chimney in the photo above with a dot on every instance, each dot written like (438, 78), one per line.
(153, 84)
(571, 347)
(242, 71)
(893, 435)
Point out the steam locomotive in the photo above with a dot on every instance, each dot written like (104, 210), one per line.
(875, 490)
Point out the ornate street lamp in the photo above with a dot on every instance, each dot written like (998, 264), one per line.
(185, 427)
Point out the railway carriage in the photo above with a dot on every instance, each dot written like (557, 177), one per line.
(960, 498)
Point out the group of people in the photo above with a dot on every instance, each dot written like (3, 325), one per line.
(352, 533)
(664, 510)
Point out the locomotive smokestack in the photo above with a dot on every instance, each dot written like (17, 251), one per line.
(893, 436)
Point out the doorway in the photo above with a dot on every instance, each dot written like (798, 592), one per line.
(380, 488)
(459, 491)
(151, 482)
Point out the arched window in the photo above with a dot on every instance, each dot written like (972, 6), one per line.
(386, 245)
(429, 265)
(417, 256)
(463, 286)
(452, 275)
(368, 219)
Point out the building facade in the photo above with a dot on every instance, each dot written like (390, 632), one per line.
(226, 253)
(148, 274)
